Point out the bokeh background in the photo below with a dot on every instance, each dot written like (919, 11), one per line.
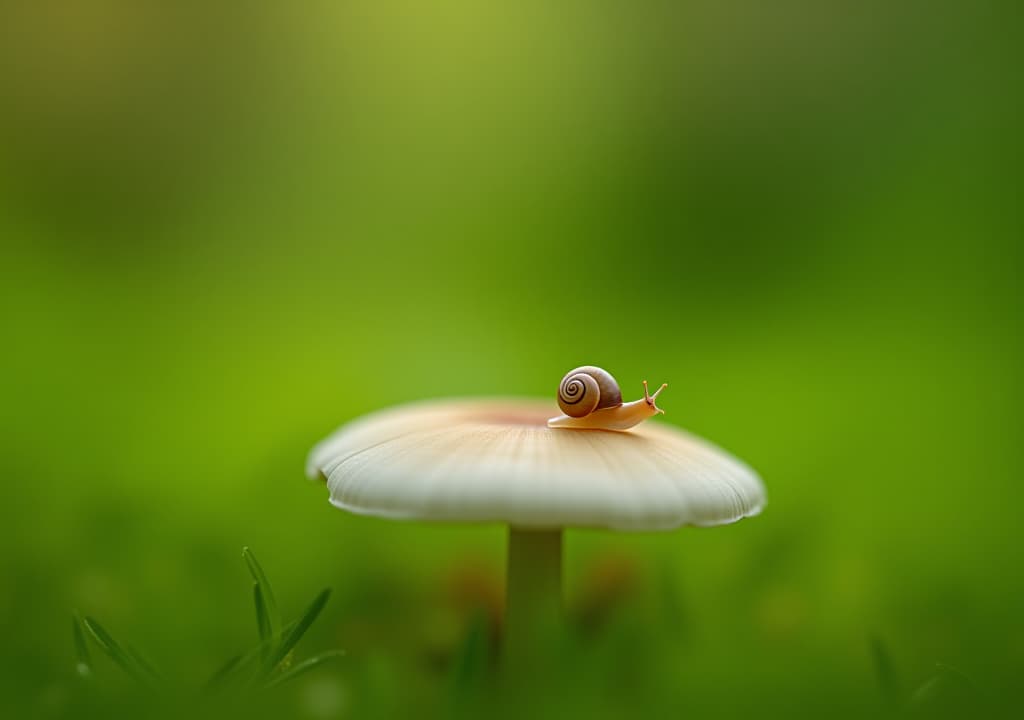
(229, 227)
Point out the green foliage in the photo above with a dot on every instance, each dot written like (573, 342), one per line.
(885, 671)
(266, 605)
(295, 632)
(265, 666)
(84, 664)
(127, 659)
(305, 666)
(948, 692)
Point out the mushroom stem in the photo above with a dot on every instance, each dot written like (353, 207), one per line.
(533, 596)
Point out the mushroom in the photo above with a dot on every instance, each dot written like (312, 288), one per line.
(502, 461)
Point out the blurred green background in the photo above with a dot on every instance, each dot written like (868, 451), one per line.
(228, 228)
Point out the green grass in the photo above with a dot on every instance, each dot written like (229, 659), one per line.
(268, 665)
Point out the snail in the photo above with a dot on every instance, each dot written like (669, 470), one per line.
(590, 399)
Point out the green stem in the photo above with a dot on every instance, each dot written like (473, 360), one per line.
(533, 598)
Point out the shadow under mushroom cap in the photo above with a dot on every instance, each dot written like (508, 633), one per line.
(497, 461)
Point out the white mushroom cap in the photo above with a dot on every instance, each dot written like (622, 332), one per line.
(497, 461)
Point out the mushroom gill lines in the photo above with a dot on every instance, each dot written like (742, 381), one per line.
(354, 487)
(704, 468)
(600, 451)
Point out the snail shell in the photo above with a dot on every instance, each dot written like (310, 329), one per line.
(586, 389)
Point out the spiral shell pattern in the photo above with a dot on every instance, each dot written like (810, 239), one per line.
(586, 389)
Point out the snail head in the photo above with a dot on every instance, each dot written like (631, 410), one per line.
(651, 397)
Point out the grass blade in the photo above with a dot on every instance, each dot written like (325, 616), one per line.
(305, 666)
(885, 672)
(83, 665)
(299, 628)
(142, 662)
(470, 666)
(260, 577)
(951, 691)
(224, 672)
(260, 651)
(111, 647)
(262, 620)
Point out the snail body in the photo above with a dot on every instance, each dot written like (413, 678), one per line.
(590, 399)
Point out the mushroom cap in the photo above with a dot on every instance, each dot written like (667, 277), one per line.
(497, 461)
